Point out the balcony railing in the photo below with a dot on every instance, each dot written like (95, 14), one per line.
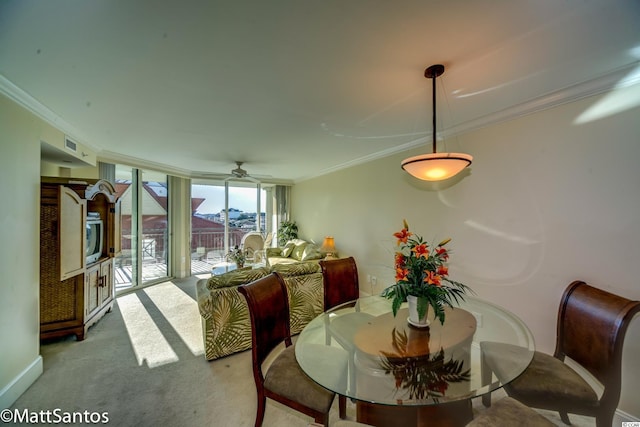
(207, 251)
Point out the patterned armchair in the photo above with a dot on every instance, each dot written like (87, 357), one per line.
(225, 316)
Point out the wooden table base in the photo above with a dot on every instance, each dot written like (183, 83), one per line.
(452, 414)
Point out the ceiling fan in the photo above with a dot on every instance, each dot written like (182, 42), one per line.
(240, 173)
(236, 174)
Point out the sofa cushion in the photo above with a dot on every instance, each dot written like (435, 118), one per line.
(236, 277)
(296, 269)
(310, 252)
(288, 249)
(281, 260)
(298, 250)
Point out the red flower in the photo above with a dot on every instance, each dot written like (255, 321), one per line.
(443, 270)
(442, 253)
(432, 278)
(403, 235)
(421, 250)
(400, 260)
(401, 274)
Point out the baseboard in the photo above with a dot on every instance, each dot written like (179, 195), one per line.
(20, 384)
(620, 416)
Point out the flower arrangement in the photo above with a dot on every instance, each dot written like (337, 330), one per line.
(422, 271)
(238, 256)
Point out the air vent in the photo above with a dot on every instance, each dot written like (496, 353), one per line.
(70, 145)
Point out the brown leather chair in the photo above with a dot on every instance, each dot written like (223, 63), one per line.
(341, 285)
(590, 331)
(340, 279)
(284, 380)
(508, 412)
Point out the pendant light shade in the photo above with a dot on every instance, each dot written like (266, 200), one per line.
(436, 166)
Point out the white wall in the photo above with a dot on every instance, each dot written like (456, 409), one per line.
(545, 202)
(20, 362)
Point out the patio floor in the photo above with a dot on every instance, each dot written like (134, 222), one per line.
(151, 271)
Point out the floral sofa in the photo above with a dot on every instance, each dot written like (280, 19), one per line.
(225, 316)
(293, 251)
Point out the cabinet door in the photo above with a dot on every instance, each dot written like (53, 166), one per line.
(72, 212)
(106, 284)
(92, 281)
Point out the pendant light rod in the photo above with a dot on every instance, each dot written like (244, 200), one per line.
(433, 72)
(435, 166)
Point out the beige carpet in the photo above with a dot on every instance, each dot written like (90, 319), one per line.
(143, 365)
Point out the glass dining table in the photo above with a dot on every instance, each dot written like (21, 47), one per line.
(400, 374)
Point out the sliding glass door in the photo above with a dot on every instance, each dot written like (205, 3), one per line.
(155, 226)
(223, 214)
(145, 236)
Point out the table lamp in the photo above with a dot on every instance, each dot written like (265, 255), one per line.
(329, 248)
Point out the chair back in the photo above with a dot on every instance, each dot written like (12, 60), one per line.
(340, 280)
(268, 305)
(591, 327)
(252, 242)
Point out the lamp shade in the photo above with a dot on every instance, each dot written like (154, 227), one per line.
(328, 245)
(436, 166)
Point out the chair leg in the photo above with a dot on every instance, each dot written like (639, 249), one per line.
(486, 400)
(485, 375)
(323, 420)
(565, 418)
(342, 406)
(262, 402)
(605, 419)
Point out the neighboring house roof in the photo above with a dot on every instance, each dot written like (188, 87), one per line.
(198, 222)
(161, 199)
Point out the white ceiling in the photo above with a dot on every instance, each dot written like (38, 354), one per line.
(297, 88)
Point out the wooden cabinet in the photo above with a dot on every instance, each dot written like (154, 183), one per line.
(98, 290)
(74, 295)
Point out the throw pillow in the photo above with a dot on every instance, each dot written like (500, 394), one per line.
(288, 248)
(298, 250)
(311, 252)
(298, 241)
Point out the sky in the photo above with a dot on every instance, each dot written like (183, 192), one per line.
(243, 199)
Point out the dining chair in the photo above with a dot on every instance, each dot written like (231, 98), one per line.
(508, 412)
(340, 279)
(341, 285)
(284, 381)
(591, 327)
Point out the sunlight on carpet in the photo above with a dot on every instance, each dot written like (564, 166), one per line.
(181, 311)
(146, 338)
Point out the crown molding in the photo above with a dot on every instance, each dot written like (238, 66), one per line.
(111, 157)
(25, 100)
(622, 77)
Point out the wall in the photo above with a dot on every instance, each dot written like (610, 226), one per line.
(20, 362)
(546, 201)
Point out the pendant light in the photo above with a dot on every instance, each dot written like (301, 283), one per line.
(436, 166)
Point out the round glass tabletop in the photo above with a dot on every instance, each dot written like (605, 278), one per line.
(362, 351)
